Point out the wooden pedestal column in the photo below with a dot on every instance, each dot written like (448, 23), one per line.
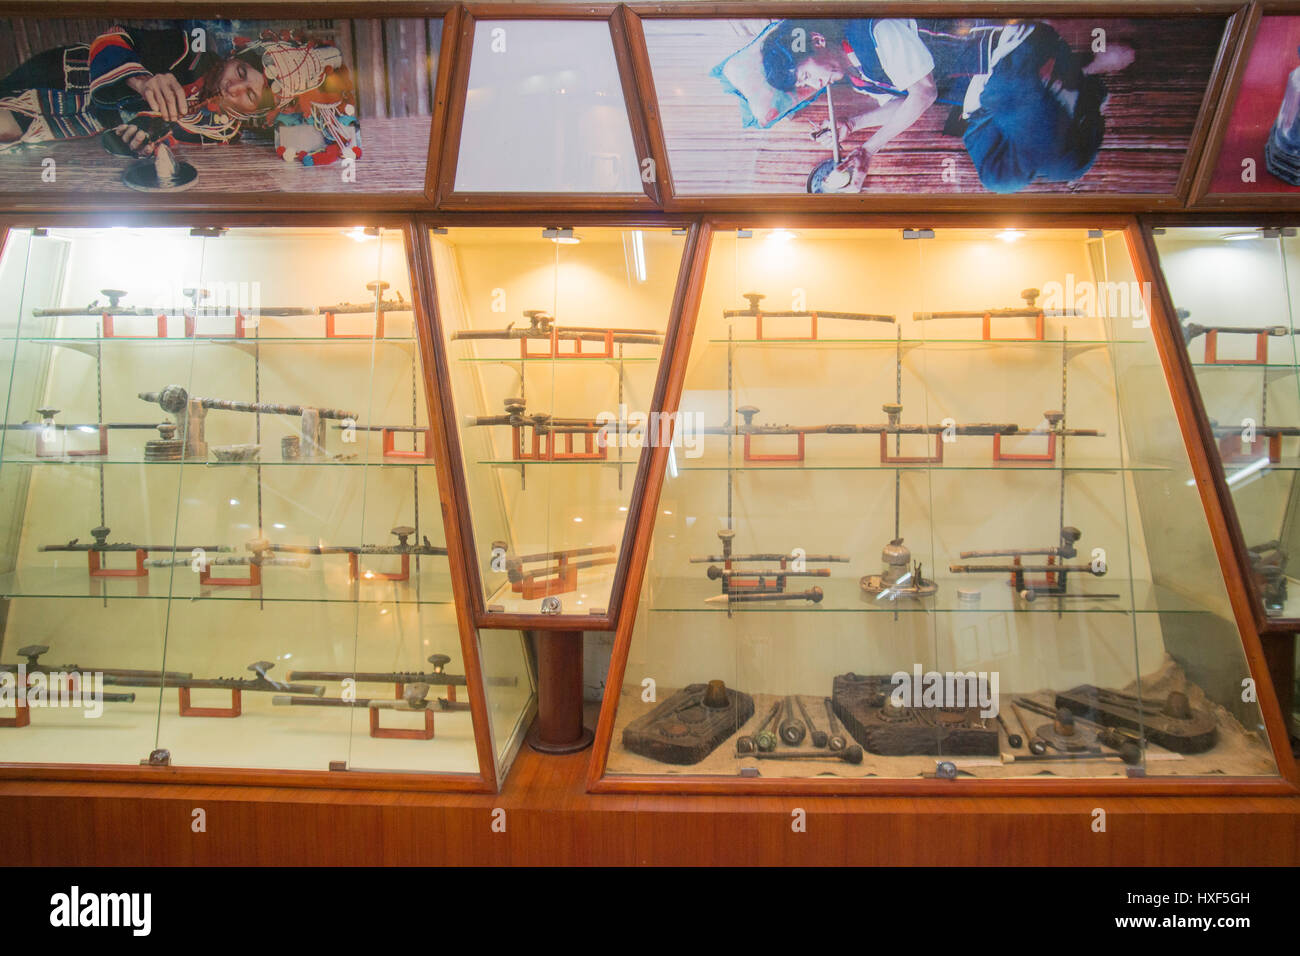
(558, 728)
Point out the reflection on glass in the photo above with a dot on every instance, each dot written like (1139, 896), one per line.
(1240, 338)
(510, 692)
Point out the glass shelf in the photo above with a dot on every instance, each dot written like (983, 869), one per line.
(1286, 464)
(1107, 466)
(73, 341)
(844, 595)
(911, 342)
(1278, 369)
(564, 360)
(587, 597)
(1104, 467)
(198, 463)
(279, 584)
(510, 463)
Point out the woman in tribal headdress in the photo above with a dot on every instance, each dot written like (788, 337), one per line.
(149, 86)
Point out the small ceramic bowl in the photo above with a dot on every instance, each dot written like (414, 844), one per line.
(235, 452)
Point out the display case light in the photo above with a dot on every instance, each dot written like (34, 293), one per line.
(638, 255)
(561, 236)
(1011, 235)
(781, 235)
(1256, 466)
(1239, 236)
(362, 233)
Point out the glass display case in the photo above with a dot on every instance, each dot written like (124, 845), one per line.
(221, 542)
(812, 392)
(931, 515)
(1240, 341)
(555, 339)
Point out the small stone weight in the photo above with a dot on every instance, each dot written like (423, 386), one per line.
(1177, 705)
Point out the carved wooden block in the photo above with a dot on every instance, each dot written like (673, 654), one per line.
(690, 724)
(1170, 722)
(862, 703)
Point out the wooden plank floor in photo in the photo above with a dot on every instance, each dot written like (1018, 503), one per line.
(1151, 112)
(394, 153)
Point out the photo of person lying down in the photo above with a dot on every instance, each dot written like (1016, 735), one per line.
(906, 105)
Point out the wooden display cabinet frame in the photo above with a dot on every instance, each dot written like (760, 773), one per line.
(441, 181)
(1201, 197)
(626, 25)
(489, 776)
(59, 793)
(1209, 478)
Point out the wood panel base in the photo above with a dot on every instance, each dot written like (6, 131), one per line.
(550, 820)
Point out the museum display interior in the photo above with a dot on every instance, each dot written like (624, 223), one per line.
(851, 499)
